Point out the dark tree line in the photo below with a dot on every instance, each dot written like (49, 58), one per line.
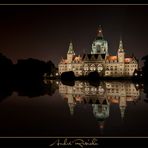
(6, 67)
(25, 68)
(145, 75)
(25, 77)
(145, 68)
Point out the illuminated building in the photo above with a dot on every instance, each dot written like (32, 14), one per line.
(99, 59)
(108, 92)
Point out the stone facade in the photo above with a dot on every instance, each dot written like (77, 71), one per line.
(119, 65)
(102, 96)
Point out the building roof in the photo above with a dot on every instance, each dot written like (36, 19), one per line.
(63, 61)
(111, 58)
(127, 59)
(77, 58)
(99, 33)
(89, 57)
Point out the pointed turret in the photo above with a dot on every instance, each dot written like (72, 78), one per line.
(101, 126)
(122, 111)
(99, 32)
(70, 53)
(71, 108)
(71, 101)
(70, 49)
(122, 105)
(121, 53)
(120, 46)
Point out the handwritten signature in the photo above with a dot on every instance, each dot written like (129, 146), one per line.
(78, 142)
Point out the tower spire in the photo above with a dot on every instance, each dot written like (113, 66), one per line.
(122, 105)
(70, 49)
(99, 32)
(121, 45)
(101, 126)
(122, 111)
(71, 108)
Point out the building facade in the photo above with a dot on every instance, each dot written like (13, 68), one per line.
(99, 59)
(101, 97)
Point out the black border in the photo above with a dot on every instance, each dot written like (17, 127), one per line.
(45, 142)
(73, 2)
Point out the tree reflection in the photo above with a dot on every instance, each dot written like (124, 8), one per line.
(27, 88)
(145, 73)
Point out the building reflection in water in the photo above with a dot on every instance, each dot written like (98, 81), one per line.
(100, 97)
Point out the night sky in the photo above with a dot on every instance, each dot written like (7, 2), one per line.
(44, 31)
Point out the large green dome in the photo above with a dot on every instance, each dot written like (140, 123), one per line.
(101, 112)
(99, 45)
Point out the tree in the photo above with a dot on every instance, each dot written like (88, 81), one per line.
(68, 75)
(145, 67)
(6, 67)
(93, 76)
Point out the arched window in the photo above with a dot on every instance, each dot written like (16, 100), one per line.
(92, 67)
(86, 68)
(100, 67)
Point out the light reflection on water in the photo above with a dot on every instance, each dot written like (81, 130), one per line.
(110, 108)
(101, 97)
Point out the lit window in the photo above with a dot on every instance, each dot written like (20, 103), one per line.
(92, 68)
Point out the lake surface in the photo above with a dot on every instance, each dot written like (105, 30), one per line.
(105, 109)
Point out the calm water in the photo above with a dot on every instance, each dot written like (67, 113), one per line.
(110, 108)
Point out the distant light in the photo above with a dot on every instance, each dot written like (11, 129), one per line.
(137, 85)
(136, 74)
(99, 30)
(101, 126)
(57, 74)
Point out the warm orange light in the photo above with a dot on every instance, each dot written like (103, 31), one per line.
(129, 98)
(63, 61)
(78, 98)
(127, 60)
(77, 58)
(116, 101)
(101, 126)
(112, 58)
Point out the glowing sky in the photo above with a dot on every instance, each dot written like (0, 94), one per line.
(44, 31)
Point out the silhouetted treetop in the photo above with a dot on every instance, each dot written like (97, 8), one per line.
(33, 68)
(6, 67)
(4, 60)
(145, 58)
(145, 68)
